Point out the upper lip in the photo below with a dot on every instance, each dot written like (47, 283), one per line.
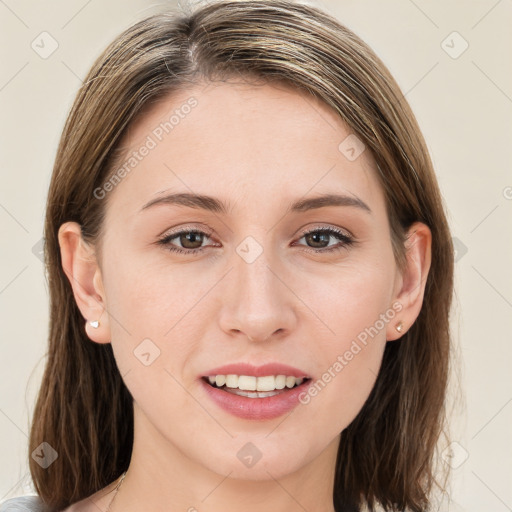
(257, 371)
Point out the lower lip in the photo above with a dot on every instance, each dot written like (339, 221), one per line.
(256, 408)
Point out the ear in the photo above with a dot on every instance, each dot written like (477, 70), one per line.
(81, 268)
(410, 284)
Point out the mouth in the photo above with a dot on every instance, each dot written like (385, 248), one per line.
(256, 387)
(255, 392)
(255, 404)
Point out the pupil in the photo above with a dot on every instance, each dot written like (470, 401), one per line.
(317, 236)
(192, 236)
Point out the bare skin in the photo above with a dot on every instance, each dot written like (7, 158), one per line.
(258, 149)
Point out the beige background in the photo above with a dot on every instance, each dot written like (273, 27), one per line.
(464, 107)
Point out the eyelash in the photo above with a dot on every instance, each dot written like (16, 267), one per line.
(347, 240)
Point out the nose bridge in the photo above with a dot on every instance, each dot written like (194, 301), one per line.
(257, 279)
(258, 302)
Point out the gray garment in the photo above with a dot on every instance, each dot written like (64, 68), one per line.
(23, 504)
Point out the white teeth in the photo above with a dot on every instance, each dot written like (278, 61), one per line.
(231, 381)
(266, 383)
(253, 394)
(247, 383)
(251, 383)
(280, 381)
(290, 382)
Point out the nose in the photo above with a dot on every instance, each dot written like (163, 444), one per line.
(258, 301)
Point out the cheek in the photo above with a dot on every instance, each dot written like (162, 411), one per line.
(354, 309)
(156, 318)
(349, 299)
(149, 297)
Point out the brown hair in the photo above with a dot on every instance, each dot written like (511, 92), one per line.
(84, 411)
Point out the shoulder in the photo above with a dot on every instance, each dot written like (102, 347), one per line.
(95, 502)
(23, 504)
(35, 504)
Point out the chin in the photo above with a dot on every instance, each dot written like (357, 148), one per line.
(249, 457)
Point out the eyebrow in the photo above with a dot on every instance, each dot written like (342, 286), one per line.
(213, 204)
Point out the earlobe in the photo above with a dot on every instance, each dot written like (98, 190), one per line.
(82, 270)
(413, 279)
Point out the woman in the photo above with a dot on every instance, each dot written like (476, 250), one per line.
(250, 276)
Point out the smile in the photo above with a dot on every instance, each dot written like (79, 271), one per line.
(254, 387)
(255, 403)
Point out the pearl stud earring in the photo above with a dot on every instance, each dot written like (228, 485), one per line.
(400, 326)
(94, 324)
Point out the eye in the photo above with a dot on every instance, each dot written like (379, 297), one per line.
(190, 240)
(320, 237)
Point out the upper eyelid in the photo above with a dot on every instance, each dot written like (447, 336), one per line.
(344, 231)
(209, 232)
(166, 233)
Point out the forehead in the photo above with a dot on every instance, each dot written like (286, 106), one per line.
(243, 141)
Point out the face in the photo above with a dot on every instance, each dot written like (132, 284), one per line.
(259, 275)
